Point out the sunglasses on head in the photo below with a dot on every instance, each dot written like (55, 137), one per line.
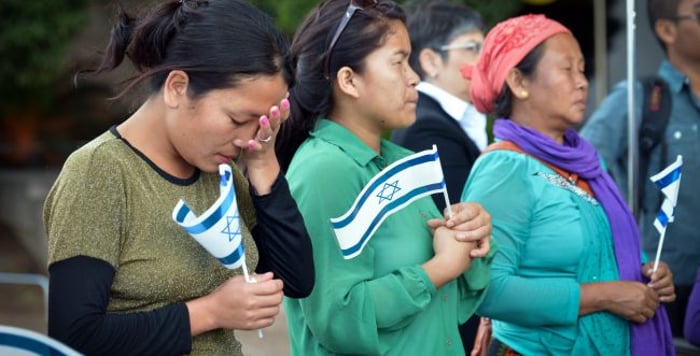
(352, 8)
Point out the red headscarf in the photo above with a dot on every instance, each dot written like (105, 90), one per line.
(504, 47)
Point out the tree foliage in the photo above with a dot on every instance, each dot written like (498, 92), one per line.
(34, 36)
(290, 13)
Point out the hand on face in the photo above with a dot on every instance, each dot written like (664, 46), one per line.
(661, 281)
(473, 224)
(257, 156)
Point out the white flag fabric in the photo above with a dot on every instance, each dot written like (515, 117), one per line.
(218, 229)
(668, 181)
(390, 190)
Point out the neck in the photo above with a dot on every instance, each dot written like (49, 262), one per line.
(358, 124)
(689, 68)
(145, 131)
(536, 121)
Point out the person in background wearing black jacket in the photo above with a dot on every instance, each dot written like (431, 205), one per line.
(444, 38)
(124, 277)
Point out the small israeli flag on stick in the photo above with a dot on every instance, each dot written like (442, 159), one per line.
(668, 181)
(391, 190)
(218, 229)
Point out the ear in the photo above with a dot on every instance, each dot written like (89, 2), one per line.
(430, 63)
(175, 89)
(666, 31)
(518, 84)
(347, 82)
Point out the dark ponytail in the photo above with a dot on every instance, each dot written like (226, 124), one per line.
(311, 97)
(217, 43)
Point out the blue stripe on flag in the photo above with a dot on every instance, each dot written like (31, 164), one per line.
(386, 210)
(389, 174)
(184, 210)
(662, 218)
(234, 256)
(27, 344)
(668, 179)
(214, 217)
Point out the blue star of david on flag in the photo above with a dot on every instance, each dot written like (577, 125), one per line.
(218, 229)
(388, 191)
(229, 231)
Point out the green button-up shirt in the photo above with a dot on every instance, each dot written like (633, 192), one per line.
(382, 301)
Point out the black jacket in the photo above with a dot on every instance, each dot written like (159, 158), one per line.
(457, 151)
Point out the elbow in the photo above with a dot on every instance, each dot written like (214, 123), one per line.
(304, 285)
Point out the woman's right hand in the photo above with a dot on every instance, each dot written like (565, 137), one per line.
(633, 301)
(451, 259)
(236, 304)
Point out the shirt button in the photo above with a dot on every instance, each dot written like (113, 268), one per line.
(595, 278)
(449, 341)
(677, 135)
(444, 297)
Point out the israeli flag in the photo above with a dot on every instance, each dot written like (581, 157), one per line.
(389, 191)
(668, 181)
(218, 229)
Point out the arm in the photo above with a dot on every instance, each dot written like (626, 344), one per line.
(283, 243)
(691, 328)
(78, 297)
(496, 178)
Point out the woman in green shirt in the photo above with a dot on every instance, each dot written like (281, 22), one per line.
(414, 282)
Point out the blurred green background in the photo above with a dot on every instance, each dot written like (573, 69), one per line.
(44, 115)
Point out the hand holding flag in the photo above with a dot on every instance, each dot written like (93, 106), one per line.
(389, 191)
(668, 181)
(218, 229)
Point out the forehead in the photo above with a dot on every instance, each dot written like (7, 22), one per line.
(253, 95)
(396, 37)
(561, 46)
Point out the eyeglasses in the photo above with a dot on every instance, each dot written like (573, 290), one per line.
(468, 46)
(352, 8)
(694, 16)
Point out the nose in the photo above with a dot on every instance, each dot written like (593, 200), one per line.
(413, 78)
(582, 82)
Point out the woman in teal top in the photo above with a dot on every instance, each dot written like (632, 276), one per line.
(414, 282)
(567, 278)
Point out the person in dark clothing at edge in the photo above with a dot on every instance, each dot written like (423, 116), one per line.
(124, 277)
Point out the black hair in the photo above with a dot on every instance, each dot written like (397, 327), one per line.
(217, 43)
(433, 24)
(311, 97)
(503, 105)
(661, 10)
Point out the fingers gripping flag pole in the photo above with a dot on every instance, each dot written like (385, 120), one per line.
(391, 190)
(668, 181)
(218, 229)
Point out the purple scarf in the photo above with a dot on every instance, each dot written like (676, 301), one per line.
(578, 156)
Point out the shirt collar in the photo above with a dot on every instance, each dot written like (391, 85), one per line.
(348, 142)
(453, 106)
(673, 77)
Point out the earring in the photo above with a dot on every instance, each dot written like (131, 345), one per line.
(433, 75)
(524, 94)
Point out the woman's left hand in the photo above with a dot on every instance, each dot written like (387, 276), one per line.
(258, 157)
(473, 224)
(661, 281)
